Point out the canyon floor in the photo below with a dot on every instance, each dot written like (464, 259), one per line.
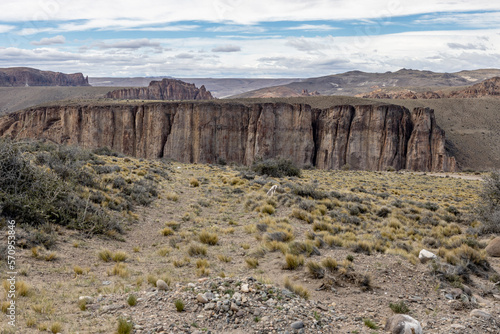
(344, 244)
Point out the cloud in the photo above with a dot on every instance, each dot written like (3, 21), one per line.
(5, 28)
(227, 48)
(112, 12)
(184, 56)
(468, 46)
(474, 20)
(310, 44)
(313, 27)
(59, 39)
(130, 44)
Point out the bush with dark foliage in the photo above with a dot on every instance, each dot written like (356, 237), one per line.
(276, 168)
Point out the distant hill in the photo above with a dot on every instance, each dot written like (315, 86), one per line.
(357, 82)
(26, 76)
(488, 87)
(220, 88)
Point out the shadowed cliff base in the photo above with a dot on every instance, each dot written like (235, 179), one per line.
(368, 137)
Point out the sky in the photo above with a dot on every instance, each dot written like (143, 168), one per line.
(252, 39)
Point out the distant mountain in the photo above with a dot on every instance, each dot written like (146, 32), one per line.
(357, 82)
(488, 87)
(219, 88)
(25, 76)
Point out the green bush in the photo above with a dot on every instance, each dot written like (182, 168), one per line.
(489, 209)
(42, 184)
(276, 168)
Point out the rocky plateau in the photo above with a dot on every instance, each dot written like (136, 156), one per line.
(24, 76)
(167, 89)
(367, 137)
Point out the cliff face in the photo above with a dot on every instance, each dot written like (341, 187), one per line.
(364, 137)
(24, 76)
(167, 89)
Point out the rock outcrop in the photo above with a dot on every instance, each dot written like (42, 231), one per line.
(364, 137)
(167, 89)
(25, 76)
(489, 87)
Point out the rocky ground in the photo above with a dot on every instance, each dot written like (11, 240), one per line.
(221, 293)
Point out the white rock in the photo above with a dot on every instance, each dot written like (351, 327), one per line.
(245, 288)
(237, 296)
(425, 256)
(202, 298)
(403, 324)
(161, 285)
(87, 299)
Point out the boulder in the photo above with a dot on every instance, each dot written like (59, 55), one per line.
(493, 248)
(425, 256)
(480, 314)
(403, 324)
(161, 285)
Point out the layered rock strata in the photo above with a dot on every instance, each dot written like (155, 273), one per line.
(167, 89)
(25, 76)
(364, 137)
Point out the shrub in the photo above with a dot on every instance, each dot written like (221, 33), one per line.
(330, 264)
(105, 255)
(208, 238)
(194, 182)
(292, 261)
(268, 209)
(124, 326)
(399, 308)
(56, 327)
(297, 289)
(132, 300)
(196, 250)
(489, 208)
(119, 256)
(179, 305)
(276, 168)
(370, 324)
(167, 231)
(309, 190)
(252, 262)
(315, 269)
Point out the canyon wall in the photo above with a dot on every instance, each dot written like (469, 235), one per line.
(364, 137)
(25, 76)
(167, 89)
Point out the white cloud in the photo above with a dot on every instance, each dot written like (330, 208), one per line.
(5, 28)
(227, 48)
(59, 39)
(235, 11)
(476, 20)
(129, 44)
(313, 27)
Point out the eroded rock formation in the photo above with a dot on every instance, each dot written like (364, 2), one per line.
(25, 76)
(167, 89)
(364, 137)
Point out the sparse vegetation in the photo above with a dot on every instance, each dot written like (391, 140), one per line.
(124, 326)
(179, 305)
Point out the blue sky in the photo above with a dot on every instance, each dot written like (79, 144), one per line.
(238, 38)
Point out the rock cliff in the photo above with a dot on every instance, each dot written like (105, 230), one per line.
(364, 137)
(167, 89)
(25, 76)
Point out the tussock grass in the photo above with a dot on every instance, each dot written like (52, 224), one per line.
(208, 238)
(292, 261)
(252, 262)
(197, 250)
(299, 290)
